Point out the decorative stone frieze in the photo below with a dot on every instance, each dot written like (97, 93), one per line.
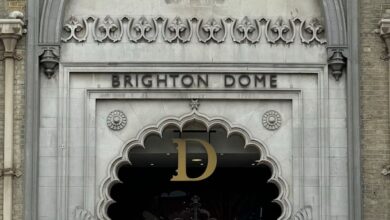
(49, 59)
(185, 30)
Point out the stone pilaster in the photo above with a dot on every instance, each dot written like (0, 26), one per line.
(11, 30)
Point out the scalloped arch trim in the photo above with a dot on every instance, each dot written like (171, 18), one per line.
(123, 158)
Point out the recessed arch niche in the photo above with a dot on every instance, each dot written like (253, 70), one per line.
(246, 184)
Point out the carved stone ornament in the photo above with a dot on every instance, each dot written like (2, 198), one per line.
(49, 59)
(206, 30)
(336, 62)
(116, 120)
(272, 120)
(11, 30)
(194, 104)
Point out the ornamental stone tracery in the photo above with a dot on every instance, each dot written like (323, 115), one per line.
(248, 30)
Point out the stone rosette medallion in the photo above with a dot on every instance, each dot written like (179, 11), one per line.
(272, 120)
(116, 120)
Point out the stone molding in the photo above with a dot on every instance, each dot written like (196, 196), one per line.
(185, 30)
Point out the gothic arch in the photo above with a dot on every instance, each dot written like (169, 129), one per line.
(265, 158)
(335, 23)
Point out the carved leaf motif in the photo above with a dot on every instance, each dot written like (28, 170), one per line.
(143, 25)
(177, 30)
(280, 27)
(73, 27)
(73, 23)
(280, 31)
(108, 25)
(246, 26)
(314, 29)
(177, 25)
(247, 30)
(144, 30)
(212, 26)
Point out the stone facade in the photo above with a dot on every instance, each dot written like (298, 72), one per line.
(375, 131)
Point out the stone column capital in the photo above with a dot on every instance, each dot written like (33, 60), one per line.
(11, 30)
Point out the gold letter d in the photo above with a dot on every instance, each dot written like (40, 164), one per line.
(182, 160)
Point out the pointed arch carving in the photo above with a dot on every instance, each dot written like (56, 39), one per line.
(123, 158)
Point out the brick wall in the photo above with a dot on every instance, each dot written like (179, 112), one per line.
(7, 6)
(374, 113)
(16, 5)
